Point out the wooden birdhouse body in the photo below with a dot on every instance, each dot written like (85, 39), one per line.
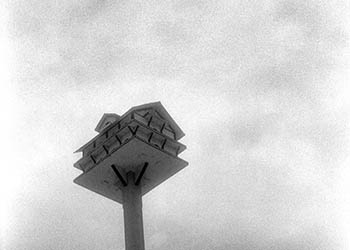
(144, 134)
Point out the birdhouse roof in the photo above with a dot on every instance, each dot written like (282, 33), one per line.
(107, 117)
(157, 106)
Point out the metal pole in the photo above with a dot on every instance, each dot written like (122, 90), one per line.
(133, 222)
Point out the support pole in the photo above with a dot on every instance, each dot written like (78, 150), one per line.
(133, 222)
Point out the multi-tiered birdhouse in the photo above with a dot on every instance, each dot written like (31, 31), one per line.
(144, 141)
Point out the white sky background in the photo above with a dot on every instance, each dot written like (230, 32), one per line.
(261, 89)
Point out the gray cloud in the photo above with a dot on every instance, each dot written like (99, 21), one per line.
(256, 86)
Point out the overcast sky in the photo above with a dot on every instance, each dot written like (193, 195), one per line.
(261, 89)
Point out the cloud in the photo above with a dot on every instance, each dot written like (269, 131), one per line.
(255, 85)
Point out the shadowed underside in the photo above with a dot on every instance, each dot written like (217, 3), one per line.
(132, 156)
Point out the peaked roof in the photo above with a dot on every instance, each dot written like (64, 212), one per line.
(162, 111)
(154, 105)
(100, 125)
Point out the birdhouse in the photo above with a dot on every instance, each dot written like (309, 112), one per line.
(145, 140)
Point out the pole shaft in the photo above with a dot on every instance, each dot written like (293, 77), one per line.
(133, 222)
